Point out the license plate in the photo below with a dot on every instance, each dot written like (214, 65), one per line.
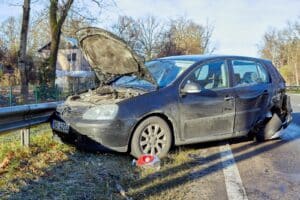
(60, 126)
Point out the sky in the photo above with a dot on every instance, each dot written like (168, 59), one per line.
(239, 25)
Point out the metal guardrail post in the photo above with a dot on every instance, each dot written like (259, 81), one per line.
(35, 90)
(25, 137)
(10, 96)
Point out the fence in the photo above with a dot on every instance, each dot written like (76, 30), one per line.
(11, 96)
(41, 103)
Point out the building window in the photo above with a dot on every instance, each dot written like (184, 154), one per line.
(71, 57)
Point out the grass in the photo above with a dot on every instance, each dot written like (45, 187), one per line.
(293, 91)
(50, 170)
(21, 164)
(174, 167)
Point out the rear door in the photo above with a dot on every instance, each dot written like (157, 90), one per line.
(209, 114)
(252, 89)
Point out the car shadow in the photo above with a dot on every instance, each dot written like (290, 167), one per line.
(246, 150)
(194, 175)
(296, 118)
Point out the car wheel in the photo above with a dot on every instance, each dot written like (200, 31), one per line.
(152, 136)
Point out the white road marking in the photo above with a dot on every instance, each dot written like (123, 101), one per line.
(234, 186)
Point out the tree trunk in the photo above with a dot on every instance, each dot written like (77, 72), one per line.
(55, 40)
(22, 64)
(296, 74)
(55, 28)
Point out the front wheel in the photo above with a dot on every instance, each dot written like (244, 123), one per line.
(152, 136)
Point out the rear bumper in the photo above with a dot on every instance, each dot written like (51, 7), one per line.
(110, 134)
(285, 124)
(288, 107)
(288, 120)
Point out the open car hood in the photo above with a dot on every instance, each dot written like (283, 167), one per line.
(110, 56)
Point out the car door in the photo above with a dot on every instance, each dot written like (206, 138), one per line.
(208, 114)
(252, 88)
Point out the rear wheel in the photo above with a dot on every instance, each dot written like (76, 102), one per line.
(152, 136)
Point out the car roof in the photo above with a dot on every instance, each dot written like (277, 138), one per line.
(203, 57)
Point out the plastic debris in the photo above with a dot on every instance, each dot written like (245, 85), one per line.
(147, 161)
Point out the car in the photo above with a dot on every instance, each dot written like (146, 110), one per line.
(148, 108)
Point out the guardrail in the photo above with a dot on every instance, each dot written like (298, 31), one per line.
(293, 88)
(24, 116)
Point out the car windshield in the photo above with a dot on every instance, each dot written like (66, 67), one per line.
(163, 71)
(166, 71)
(133, 82)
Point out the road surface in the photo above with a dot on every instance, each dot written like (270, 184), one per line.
(248, 170)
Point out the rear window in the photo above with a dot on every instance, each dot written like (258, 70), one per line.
(249, 73)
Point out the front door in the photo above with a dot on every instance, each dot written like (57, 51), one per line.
(208, 114)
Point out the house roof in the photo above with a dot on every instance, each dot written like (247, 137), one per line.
(68, 40)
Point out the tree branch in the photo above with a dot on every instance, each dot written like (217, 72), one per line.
(64, 13)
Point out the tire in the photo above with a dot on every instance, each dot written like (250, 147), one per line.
(152, 136)
(267, 131)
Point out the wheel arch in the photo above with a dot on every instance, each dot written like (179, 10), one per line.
(163, 116)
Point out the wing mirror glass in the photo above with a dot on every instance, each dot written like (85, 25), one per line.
(191, 88)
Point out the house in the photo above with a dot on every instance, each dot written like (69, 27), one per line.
(72, 70)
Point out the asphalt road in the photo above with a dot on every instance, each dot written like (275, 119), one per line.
(272, 170)
(244, 169)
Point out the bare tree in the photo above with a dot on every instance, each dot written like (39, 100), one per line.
(22, 52)
(9, 34)
(127, 29)
(57, 18)
(150, 36)
(142, 35)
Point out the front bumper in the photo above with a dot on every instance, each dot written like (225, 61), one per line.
(108, 134)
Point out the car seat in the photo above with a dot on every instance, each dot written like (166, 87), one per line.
(237, 78)
(249, 77)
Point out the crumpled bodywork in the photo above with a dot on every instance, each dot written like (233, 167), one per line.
(102, 95)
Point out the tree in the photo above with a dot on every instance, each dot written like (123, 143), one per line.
(151, 38)
(283, 48)
(9, 35)
(57, 18)
(9, 39)
(58, 12)
(184, 36)
(22, 52)
(128, 29)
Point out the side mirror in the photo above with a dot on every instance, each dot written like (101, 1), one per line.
(191, 88)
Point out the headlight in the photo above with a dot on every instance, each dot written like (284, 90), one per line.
(101, 112)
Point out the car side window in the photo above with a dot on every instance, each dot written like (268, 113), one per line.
(249, 73)
(210, 76)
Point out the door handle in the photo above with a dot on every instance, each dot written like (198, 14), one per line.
(228, 98)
